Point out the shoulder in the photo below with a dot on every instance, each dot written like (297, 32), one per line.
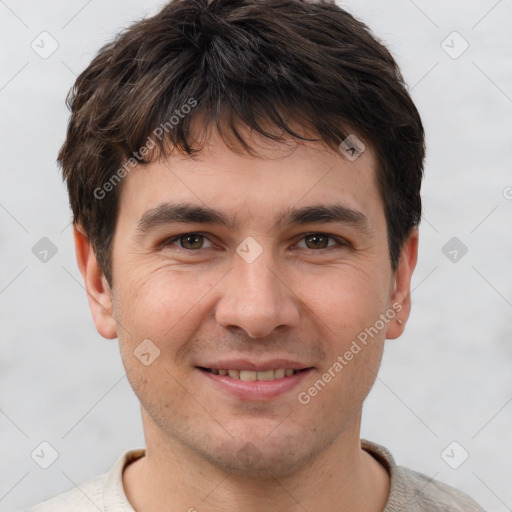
(104, 492)
(85, 498)
(412, 491)
(426, 494)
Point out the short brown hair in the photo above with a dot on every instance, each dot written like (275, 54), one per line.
(259, 62)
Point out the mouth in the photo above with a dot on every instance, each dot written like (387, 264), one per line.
(252, 376)
(251, 381)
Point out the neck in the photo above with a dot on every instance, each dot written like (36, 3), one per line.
(172, 477)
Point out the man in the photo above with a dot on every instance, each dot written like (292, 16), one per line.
(245, 182)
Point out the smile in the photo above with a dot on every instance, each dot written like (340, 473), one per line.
(250, 384)
(251, 376)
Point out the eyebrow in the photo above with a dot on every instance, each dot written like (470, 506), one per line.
(186, 213)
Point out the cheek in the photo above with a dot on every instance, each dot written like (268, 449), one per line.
(161, 302)
(167, 307)
(154, 309)
(345, 299)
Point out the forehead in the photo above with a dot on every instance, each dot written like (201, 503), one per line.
(246, 188)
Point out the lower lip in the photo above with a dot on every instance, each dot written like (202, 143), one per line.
(258, 389)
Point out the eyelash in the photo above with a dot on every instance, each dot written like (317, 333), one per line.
(340, 241)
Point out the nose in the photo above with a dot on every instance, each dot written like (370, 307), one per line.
(257, 298)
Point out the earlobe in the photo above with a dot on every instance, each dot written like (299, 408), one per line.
(401, 297)
(98, 290)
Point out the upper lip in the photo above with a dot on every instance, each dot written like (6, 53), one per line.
(259, 366)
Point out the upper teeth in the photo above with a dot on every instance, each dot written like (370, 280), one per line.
(252, 375)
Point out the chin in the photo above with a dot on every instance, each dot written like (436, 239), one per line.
(249, 461)
(261, 458)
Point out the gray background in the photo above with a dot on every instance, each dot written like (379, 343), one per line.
(448, 378)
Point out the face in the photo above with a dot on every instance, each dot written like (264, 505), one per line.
(273, 274)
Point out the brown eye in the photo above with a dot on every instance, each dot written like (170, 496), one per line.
(188, 241)
(192, 241)
(317, 241)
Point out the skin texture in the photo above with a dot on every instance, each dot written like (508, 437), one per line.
(297, 301)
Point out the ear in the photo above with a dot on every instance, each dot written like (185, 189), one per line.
(98, 290)
(401, 293)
